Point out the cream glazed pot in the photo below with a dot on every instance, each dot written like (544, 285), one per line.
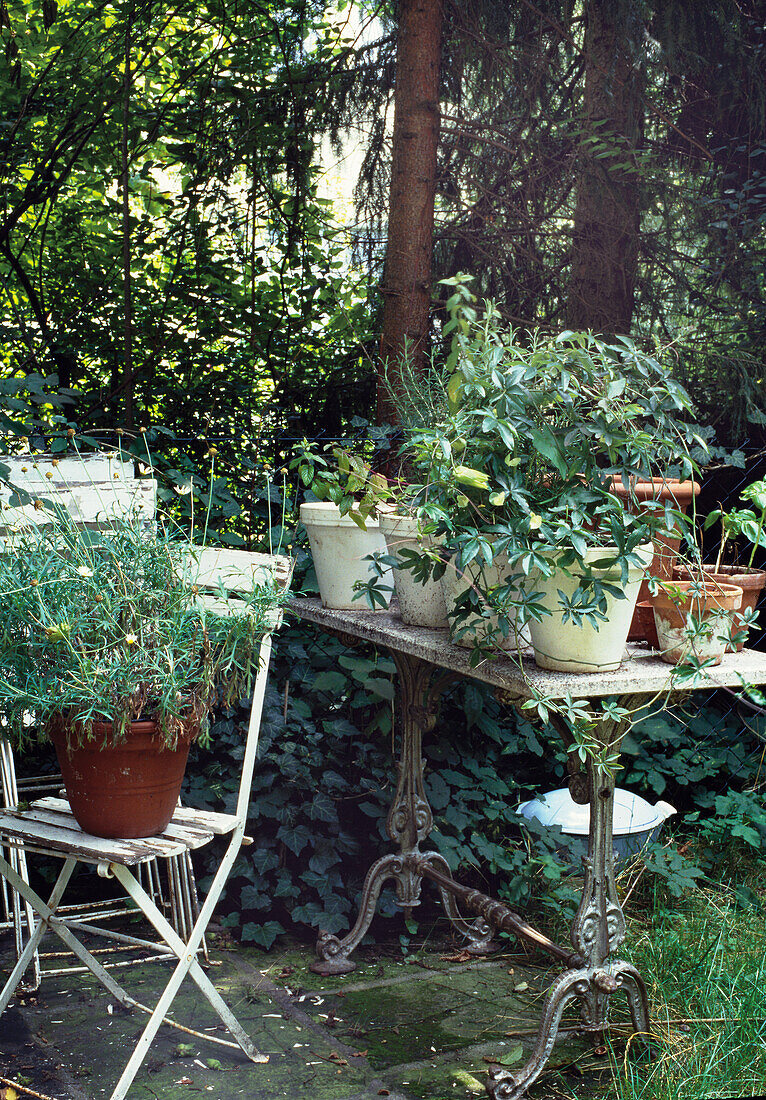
(339, 548)
(569, 647)
(419, 604)
(483, 627)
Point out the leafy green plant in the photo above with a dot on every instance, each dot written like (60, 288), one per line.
(345, 479)
(742, 522)
(108, 625)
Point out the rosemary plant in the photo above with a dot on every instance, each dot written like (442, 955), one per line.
(108, 626)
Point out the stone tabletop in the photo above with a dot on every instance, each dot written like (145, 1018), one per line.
(641, 673)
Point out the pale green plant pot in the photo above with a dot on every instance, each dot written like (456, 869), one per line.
(339, 548)
(419, 604)
(571, 647)
(484, 627)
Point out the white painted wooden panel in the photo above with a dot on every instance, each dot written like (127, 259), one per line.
(183, 817)
(33, 470)
(214, 567)
(86, 504)
(27, 830)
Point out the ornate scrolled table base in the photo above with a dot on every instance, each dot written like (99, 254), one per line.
(408, 824)
(426, 661)
(597, 931)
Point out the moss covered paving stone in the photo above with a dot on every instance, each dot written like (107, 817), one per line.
(73, 1016)
(425, 1027)
(423, 1014)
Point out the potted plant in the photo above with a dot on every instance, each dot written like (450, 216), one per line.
(661, 495)
(342, 523)
(105, 641)
(524, 464)
(695, 620)
(747, 524)
(415, 561)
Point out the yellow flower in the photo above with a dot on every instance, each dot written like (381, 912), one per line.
(535, 522)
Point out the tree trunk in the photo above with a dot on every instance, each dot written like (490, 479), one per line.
(128, 379)
(407, 276)
(606, 224)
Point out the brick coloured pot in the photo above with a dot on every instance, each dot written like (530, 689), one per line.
(711, 609)
(125, 790)
(680, 495)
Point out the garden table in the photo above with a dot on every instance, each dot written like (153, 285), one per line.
(426, 662)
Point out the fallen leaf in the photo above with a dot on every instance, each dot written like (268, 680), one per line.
(383, 1092)
(513, 1056)
(184, 1081)
(213, 1063)
(509, 1058)
(521, 987)
(8, 1093)
(460, 957)
(336, 1059)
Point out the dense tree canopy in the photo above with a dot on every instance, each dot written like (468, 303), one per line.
(165, 255)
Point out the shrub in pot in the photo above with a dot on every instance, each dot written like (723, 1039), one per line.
(740, 524)
(419, 591)
(342, 523)
(695, 620)
(105, 642)
(659, 495)
(524, 462)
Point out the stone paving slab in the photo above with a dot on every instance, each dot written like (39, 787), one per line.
(403, 1028)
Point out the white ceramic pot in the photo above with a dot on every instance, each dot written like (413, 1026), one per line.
(569, 647)
(419, 604)
(339, 548)
(483, 626)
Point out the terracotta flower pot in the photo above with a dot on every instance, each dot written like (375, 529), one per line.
(751, 581)
(714, 610)
(125, 790)
(663, 490)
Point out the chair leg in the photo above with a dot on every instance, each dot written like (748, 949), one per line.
(187, 964)
(48, 919)
(186, 953)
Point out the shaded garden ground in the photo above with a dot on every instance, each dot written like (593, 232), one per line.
(421, 1025)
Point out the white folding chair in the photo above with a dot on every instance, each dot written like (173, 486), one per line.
(48, 827)
(92, 489)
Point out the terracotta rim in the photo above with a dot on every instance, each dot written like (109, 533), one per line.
(748, 578)
(725, 597)
(659, 488)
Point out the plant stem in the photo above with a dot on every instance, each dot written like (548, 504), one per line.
(757, 541)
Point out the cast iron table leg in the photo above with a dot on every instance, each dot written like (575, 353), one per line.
(597, 931)
(409, 822)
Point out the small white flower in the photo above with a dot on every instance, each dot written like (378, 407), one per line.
(131, 639)
(83, 571)
(535, 522)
